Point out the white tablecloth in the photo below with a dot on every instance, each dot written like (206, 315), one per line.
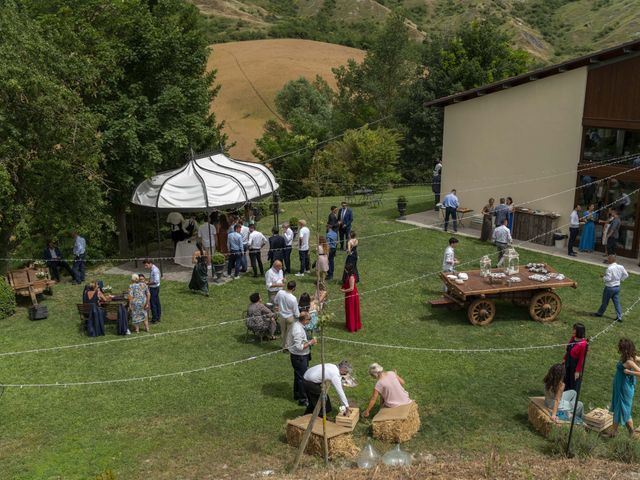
(184, 252)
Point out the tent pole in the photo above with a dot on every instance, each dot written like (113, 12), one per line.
(159, 241)
(210, 244)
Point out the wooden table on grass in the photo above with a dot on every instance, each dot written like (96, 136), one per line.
(478, 295)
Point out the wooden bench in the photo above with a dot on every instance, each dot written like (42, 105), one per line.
(25, 282)
(111, 311)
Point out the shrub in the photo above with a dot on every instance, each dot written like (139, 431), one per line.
(217, 259)
(293, 222)
(7, 299)
(583, 444)
(623, 448)
(402, 199)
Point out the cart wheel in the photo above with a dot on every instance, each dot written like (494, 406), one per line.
(545, 307)
(481, 311)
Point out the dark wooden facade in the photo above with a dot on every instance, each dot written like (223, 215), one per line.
(612, 101)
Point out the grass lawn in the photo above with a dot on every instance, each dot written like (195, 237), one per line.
(230, 420)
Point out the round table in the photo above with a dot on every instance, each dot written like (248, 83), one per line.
(184, 252)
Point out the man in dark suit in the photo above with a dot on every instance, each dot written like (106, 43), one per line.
(345, 218)
(277, 245)
(54, 260)
(333, 218)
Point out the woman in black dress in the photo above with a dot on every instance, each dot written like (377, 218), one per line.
(352, 257)
(487, 221)
(199, 282)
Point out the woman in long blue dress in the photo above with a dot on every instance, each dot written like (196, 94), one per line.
(509, 203)
(588, 235)
(624, 385)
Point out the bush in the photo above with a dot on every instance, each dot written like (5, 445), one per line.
(7, 300)
(293, 222)
(583, 444)
(623, 448)
(217, 259)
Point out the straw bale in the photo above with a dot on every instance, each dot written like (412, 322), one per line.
(396, 425)
(539, 416)
(340, 440)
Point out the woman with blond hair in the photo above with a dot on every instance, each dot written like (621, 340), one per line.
(139, 301)
(322, 264)
(389, 387)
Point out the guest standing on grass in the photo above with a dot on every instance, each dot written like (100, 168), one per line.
(332, 220)
(322, 264)
(288, 310)
(574, 357)
(624, 386)
(352, 258)
(345, 219)
(574, 229)
(236, 251)
(389, 387)
(154, 291)
(449, 260)
(276, 246)
(274, 279)
(487, 221)
(588, 235)
(199, 277)
(556, 397)
(451, 205)
(288, 240)
(256, 241)
(298, 346)
(502, 239)
(79, 257)
(351, 301)
(613, 277)
(332, 243)
(304, 235)
(139, 301)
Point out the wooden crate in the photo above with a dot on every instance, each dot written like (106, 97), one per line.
(598, 420)
(348, 421)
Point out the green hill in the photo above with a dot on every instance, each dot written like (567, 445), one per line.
(551, 30)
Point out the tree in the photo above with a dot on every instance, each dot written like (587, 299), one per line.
(477, 54)
(372, 89)
(363, 157)
(50, 150)
(141, 67)
(307, 110)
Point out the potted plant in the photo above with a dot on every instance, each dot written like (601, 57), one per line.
(293, 225)
(217, 261)
(402, 206)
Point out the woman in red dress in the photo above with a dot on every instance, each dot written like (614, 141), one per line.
(351, 299)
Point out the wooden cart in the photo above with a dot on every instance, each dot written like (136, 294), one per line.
(478, 295)
(25, 282)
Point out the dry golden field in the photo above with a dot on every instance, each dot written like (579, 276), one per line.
(252, 72)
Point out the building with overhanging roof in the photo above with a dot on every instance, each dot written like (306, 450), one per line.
(550, 138)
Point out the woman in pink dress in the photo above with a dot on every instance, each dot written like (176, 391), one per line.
(351, 299)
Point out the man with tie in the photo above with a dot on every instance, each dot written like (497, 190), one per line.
(345, 218)
(79, 257)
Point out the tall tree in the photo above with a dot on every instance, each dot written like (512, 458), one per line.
(478, 53)
(50, 150)
(142, 69)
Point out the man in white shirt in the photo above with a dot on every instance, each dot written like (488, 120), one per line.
(502, 239)
(274, 280)
(298, 346)
(288, 241)
(313, 383)
(154, 290)
(449, 261)
(303, 246)
(244, 232)
(614, 275)
(207, 235)
(288, 311)
(574, 229)
(256, 241)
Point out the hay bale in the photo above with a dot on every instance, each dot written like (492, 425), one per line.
(539, 417)
(339, 439)
(397, 424)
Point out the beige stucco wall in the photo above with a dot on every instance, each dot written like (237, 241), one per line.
(500, 144)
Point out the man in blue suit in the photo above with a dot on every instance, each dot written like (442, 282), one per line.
(54, 260)
(345, 218)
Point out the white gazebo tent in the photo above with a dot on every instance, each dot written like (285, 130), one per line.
(207, 182)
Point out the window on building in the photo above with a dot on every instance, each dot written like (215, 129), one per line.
(611, 145)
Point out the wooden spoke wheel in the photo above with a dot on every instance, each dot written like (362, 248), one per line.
(481, 311)
(545, 307)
